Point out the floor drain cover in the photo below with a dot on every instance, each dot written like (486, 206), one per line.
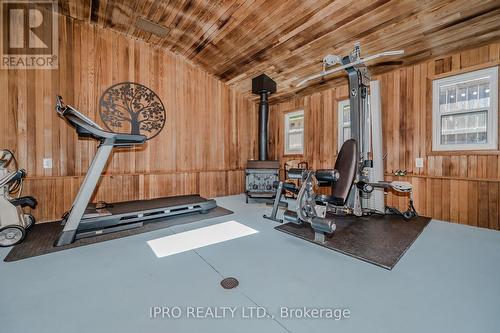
(229, 283)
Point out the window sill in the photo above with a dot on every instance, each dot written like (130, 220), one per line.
(293, 155)
(463, 152)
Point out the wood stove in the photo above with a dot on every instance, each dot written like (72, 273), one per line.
(262, 173)
(260, 177)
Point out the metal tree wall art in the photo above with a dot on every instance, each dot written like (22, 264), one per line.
(133, 108)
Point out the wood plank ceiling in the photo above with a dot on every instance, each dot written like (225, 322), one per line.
(236, 40)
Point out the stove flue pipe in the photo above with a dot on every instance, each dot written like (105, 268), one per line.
(263, 85)
(263, 122)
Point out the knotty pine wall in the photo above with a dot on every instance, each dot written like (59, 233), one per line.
(461, 187)
(210, 132)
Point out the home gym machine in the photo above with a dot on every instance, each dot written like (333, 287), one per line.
(356, 182)
(85, 219)
(14, 223)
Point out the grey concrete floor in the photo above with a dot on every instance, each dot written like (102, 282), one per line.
(448, 281)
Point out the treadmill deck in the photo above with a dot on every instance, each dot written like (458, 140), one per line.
(126, 207)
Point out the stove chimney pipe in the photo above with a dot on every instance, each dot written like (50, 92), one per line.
(263, 85)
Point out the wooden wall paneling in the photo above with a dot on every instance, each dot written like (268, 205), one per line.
(418, 193)
(328, 139)
(167, 160)
(403, 108)
(36, 100)
(274, 132)
(341, 93)
(463, 166)
(223, 104)
(483, 199)
(75, 82)
(313, 128)
(384, 115)
(498, 166)
(6, 123)
(491, 167)
(40, 190)
(422, 92)
(438, 165)
(415, 119)
(446, 165)
(481, 166)
(58, 151)
(236, 181)
(472, 166)
(446, 199)
(463, 214)
(150, 160)
(454, 166)
(233, 133)
(24, 147)
(173, 184)
(406, 129)
(473, 203)
(493, 205)
(122, 72)
(142, 62)
(213, 183)
(428, 106)
(392, 126)
(494, 52)
(8, 82)
(66, 142)
(454, 194)
(436, 199)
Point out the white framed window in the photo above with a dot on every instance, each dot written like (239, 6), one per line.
(465, 111)
(344, 121)
(344, 118)
(294, 132)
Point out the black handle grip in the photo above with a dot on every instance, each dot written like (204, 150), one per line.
(27, 201)
(296, 173)
(327, 175)
(20, 174)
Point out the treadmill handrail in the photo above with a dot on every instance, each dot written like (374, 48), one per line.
(77, 119)
(70, 111)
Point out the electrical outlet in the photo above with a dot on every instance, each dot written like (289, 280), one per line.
(47, 163)
(419, 162)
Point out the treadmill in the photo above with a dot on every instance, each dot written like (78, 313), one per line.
(86, 219)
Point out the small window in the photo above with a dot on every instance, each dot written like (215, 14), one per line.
(344, 116)
(294, 132)
(465, 111)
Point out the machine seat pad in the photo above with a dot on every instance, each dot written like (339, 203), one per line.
(346, 165)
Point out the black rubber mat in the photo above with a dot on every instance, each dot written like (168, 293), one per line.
(41, 237)
(378, 239)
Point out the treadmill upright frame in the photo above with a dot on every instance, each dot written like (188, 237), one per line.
(82, 199)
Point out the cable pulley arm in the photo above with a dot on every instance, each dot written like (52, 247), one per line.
(331, 60)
